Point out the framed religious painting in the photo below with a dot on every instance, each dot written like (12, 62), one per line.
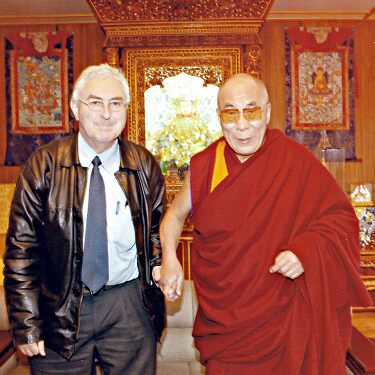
(173, 105)
(37, 65)
(320, 87)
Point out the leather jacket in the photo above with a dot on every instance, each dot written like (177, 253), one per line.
(44, 242)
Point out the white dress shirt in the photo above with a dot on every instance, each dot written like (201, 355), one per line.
(122, 250)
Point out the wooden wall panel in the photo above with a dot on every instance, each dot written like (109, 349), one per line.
(273, 72)
(88, 42)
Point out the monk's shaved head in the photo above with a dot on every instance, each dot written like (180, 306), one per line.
(244, 112)
(243, 82)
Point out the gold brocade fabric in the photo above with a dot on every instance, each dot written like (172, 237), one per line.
(6, 195)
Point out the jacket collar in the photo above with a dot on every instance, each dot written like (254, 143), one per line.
(127, 160)
(69, 155)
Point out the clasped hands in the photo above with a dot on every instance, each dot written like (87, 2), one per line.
(169, 278)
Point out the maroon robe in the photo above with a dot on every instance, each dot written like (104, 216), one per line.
(281, 198)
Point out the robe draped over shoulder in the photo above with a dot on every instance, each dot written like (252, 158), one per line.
(281, 198)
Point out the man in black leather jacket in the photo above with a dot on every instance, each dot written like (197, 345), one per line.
(57, 321)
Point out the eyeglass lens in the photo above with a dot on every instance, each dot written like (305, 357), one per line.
(98, 105)
(232, 115)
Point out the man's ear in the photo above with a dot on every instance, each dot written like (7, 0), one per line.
(74, 108)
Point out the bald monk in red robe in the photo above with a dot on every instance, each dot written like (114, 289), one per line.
(275, 258)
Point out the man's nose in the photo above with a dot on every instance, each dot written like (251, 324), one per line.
(242, 123)
(106, 112)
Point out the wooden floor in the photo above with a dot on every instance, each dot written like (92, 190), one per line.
(365, 323)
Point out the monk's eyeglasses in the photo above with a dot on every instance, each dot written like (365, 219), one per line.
(232, 115)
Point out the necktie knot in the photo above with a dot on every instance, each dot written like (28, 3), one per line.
(96, 161)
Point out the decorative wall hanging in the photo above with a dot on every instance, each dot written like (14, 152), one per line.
(320, 87)
(39, 78)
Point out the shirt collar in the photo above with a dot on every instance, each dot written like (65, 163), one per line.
(110, 158)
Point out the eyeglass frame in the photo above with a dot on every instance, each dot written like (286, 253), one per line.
(103, 105)
(258, 107)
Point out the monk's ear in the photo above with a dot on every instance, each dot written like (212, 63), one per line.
(74, 108)
(268, 112)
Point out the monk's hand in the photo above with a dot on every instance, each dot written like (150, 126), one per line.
(171, 278)
(34, 348)
(288, 265)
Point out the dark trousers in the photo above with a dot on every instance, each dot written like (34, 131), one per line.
(115, 330)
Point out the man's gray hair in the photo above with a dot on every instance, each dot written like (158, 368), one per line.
(100, 71)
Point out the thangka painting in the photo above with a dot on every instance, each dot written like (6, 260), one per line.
(320, 87)
(39, 76)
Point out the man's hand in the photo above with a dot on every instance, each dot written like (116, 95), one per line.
(287, 264)
(35, 348)
(169, 278)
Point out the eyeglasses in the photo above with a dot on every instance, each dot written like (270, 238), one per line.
(231, 115)
(98, 105)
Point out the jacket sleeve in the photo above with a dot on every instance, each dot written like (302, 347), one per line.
(21, 263)
(157, 194)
